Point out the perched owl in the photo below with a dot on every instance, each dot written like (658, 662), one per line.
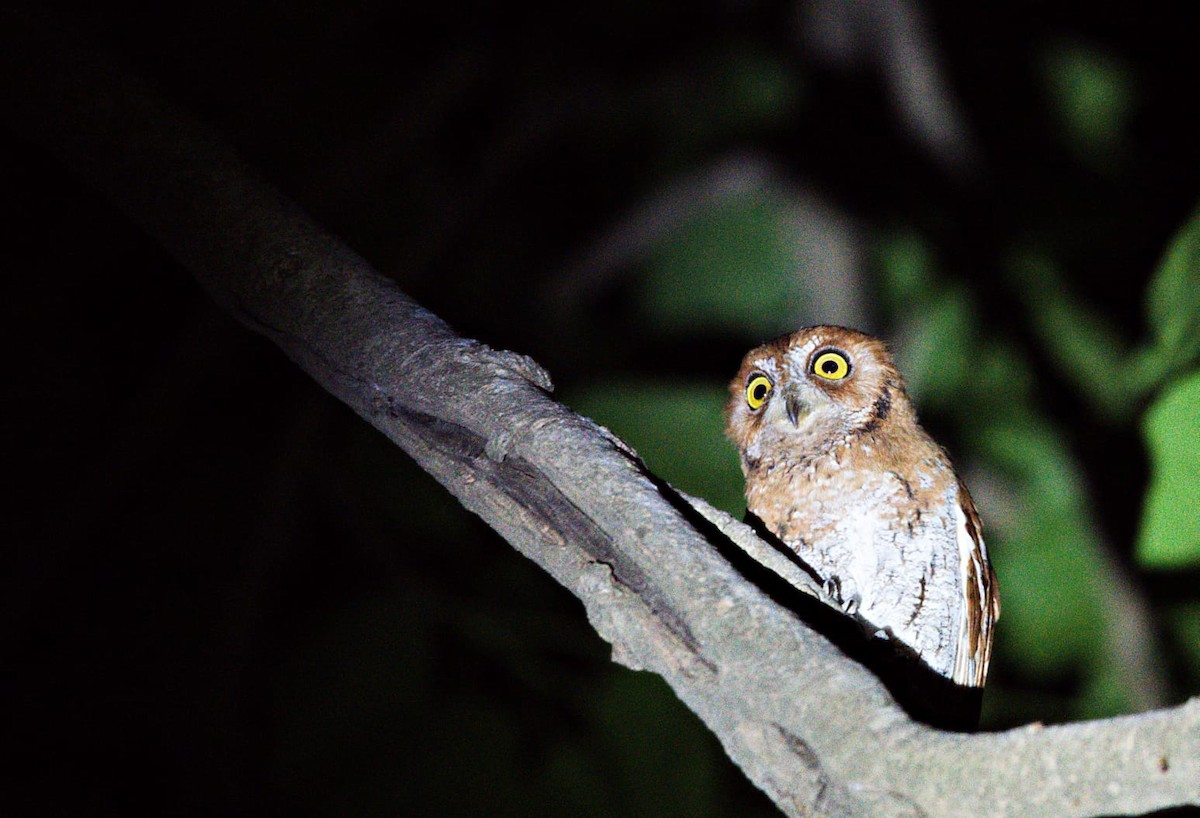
(839, 470)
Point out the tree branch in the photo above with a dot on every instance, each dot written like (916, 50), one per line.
(814, 729)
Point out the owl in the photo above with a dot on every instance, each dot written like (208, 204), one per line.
(838, 469)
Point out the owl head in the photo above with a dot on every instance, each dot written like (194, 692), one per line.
(811, 390)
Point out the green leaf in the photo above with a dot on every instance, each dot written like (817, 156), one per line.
(1170, 535)
(1173, 301)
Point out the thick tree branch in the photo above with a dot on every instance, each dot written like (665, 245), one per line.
(811, 727)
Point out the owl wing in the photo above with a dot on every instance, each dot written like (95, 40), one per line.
(981, 597)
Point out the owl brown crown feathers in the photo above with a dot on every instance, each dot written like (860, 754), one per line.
(838, 468)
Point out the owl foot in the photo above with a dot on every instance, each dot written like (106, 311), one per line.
(833, 590)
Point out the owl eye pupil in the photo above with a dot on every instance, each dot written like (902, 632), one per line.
(760, 391)
(829, 367)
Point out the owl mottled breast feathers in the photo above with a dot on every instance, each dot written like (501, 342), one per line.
(839, 470)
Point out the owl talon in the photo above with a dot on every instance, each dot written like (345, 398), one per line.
(833, 590)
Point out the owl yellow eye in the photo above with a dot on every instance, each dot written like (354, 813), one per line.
(757, 391)
(831, 365)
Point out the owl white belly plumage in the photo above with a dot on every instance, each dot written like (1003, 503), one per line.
(886, 557)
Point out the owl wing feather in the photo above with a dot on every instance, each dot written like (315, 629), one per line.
(981, 597)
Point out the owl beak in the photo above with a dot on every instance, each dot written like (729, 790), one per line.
(796, 407)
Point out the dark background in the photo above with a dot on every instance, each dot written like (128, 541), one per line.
(224, 593)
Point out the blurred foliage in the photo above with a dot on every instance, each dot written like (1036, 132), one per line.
(1044, 537)
(677, 428)
(1090, 350)
(291, 618)
(730, 267)
(1170, 535)
(1185, 630)
(1091, 94)
(1117, 377)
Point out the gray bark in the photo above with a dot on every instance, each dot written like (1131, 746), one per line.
(812, 728)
